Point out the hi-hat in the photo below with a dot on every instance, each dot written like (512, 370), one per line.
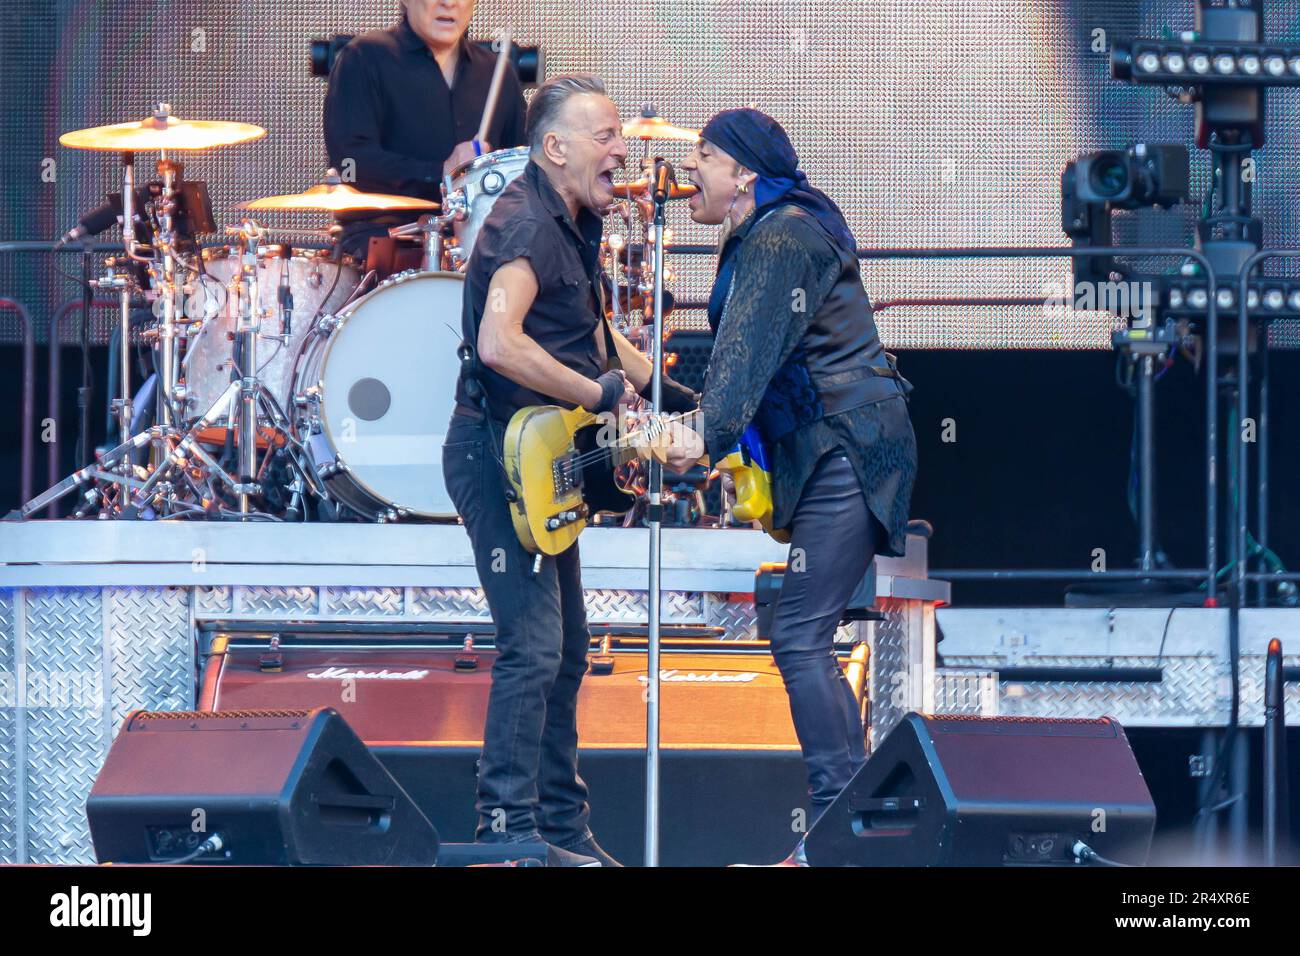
(656, 127)
(162, 131)
(334, 195)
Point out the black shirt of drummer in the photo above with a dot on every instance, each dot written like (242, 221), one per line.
(391, 118)
(529, 220)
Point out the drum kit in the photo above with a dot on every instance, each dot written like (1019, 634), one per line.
(282, 373)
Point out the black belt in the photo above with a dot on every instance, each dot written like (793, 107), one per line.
(475, 415)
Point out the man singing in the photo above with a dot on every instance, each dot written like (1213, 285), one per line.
(404, 105)
(534, 316)
(796, 353)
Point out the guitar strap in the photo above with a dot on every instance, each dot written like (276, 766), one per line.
(612, 361)
(598, 279)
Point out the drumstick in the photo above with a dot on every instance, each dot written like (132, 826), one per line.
(503, 57)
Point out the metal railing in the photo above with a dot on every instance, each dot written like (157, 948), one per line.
(27, 451)
(1210, 570)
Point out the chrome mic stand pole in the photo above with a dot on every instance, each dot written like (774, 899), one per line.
(247, 329)
(654, 515)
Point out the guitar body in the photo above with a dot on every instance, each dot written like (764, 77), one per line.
(751, 472)
(555, 496)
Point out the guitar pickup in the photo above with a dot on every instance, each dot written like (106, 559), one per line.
(563, 518)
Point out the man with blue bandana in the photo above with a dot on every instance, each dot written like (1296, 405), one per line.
(796, 354)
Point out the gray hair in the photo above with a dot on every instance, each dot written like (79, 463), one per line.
(550, 98)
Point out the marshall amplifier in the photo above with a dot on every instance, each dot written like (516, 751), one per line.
(734, 787)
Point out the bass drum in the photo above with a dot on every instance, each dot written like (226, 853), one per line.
(375, 392)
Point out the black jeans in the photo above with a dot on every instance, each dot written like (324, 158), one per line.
(528, 783)
(833, 540)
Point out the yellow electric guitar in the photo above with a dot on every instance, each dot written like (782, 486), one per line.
(562, 467)
(751, 473)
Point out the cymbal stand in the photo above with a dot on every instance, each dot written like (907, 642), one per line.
(120, 282)
(256, 403)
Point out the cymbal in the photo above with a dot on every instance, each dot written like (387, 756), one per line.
(336, 196)
(162, 132)
(656, 127)
(639, 188)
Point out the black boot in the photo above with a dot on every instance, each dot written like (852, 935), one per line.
(589, 847)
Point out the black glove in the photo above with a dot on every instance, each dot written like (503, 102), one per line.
(677, 397)
(612, 386)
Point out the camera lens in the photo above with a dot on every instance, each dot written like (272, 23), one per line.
(1108, 176)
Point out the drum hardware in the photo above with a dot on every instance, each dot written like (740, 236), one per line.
(430, 230)
(317, 286)
(182, 461)
(185, 477)
(124, 285)
(161, 132)
(256, 402)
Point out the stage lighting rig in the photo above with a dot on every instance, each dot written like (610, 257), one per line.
(1225, 67)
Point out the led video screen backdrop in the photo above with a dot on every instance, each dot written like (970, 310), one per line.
(945, 123)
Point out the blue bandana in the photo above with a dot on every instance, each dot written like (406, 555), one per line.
(759, 143)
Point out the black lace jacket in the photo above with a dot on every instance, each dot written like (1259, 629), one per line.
(757, 334)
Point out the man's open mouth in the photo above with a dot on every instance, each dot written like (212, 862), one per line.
(607, 178)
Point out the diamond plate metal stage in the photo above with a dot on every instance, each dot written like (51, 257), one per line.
(101, 618)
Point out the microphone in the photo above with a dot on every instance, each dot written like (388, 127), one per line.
(285, 295)
(665, 179)
(95, 221)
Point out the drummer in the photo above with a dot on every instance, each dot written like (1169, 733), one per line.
(403, 107)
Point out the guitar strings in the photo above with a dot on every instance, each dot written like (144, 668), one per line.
(595, 454)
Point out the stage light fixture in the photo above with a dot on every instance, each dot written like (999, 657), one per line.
(1190, 297)
(1253, 64)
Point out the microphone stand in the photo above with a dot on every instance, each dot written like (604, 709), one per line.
(83, 393)
(654, 516)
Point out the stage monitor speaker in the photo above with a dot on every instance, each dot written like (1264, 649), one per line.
(990, 791)
(285, 787)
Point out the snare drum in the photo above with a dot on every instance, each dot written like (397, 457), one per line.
(475, 187)
(375, 393)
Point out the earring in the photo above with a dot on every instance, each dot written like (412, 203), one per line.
(742, 187)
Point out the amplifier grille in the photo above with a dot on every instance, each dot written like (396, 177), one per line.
(220, 715)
